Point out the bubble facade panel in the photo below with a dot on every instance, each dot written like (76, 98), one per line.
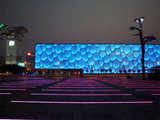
(96, 58)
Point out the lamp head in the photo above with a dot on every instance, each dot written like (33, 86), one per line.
(139, 20)
(29, 53)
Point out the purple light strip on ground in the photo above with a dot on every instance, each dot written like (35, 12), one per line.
(10, 85)
(73, 84)
(14, 89)
(143, 87)
(55, 94)
(77, 85)
(147, 90)
(5, 93)
(59, 102)
(140, 86)
(19, 119)
(155, 94)
(78, 90)
(80, 87)
(84, 82)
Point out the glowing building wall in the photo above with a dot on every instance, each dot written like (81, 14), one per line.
(93, 58)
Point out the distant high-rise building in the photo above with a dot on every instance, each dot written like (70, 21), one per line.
(13, 52)
(10, 44)
(10, 51)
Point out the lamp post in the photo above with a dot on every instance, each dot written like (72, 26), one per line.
(143, 40)
(140, 21)
(27, 59)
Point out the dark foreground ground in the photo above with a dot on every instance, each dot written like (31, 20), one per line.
(79, 99)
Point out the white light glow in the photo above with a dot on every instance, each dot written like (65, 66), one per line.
(11, 43)
(21, 64)
(139, 20)
(142, 20)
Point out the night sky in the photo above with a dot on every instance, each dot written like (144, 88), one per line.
(80, 21)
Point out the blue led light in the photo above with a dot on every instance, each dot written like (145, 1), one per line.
(116, 57)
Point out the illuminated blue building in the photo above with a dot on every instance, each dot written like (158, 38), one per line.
(96, 58)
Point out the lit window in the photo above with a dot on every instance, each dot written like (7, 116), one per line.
(11, 43)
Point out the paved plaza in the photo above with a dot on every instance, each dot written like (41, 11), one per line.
(79, 98)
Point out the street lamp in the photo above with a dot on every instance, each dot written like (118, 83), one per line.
(143, 39)
(27, 57)
(139, 20)
(29, 53)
